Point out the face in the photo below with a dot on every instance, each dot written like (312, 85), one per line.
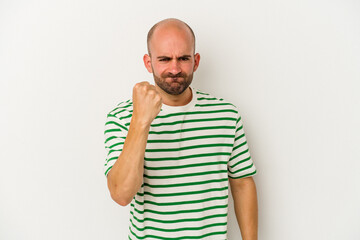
(172, 61)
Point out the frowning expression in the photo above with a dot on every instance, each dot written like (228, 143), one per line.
(172, 60)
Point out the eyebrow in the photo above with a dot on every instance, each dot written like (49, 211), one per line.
(188, 56)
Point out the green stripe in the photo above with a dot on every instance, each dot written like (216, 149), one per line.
(240, 145)
(202, 93)
(184, 184)
(107, 170)
(178, 229)
(113, 112)
(184, 175)
(124, 108)
(188, 156)
(241, 153)
(191, 129)
(178, 220)
(176, 238)
(114, 150)
(239, 162)
(110, 138)
(195, 113)
(113, 130)
(212, 104)
(178, 211)
(189, 138)
(242, 169)
(239, 128)
(193, 120)
(117, 124)
(189, 147)
(110, 159)
(246, 175)
(205, 98)
(185, 166)
(238, 120)
(182, 193)
(182, 202)
(238, 137)
(125, 117)
(116, 144)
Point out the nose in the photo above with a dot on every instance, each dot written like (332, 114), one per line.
(174, 67)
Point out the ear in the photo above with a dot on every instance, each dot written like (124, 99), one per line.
(147, 62)
(197, 61)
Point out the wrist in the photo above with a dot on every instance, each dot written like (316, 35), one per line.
(139, 123)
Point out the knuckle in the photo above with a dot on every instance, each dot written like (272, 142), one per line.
(137, 86)
(140, 84)
(158, 98)
(152, 92)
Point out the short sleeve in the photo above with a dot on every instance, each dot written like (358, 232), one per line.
(240, 163)
(115, 133)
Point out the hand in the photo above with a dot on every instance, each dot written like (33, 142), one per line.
(147, 103)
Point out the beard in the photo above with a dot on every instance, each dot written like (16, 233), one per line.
(178, 83)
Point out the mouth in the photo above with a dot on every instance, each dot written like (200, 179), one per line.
(175, 79)
(175, 83)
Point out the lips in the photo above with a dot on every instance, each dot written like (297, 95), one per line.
(176, 79)
(174, 76)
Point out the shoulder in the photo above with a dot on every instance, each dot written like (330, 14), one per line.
(122, 109)
(205, 99)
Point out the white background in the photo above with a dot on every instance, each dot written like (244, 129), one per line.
(292, 67)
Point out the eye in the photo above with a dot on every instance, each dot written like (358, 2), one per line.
(184, 58)
(164, 59)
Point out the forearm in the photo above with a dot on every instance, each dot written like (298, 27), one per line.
(126, 176)
(246, 208)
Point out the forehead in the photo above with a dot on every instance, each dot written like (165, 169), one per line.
(171, 41)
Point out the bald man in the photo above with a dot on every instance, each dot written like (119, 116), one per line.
(173, 149)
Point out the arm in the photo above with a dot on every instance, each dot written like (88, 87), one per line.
(245, 203)
(126, 175)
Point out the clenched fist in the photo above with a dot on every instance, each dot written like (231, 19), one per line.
(147, 103)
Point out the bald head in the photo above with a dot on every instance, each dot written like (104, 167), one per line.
(170, 24)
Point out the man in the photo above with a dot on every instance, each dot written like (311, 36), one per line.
(173, 149)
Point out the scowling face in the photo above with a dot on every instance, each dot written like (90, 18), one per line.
(171, 59)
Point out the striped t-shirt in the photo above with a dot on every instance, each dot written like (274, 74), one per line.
(190, 153)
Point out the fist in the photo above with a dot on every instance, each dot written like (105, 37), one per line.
(147, 102)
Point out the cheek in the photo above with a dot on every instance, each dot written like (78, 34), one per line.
(189, 67)
(158, 68)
